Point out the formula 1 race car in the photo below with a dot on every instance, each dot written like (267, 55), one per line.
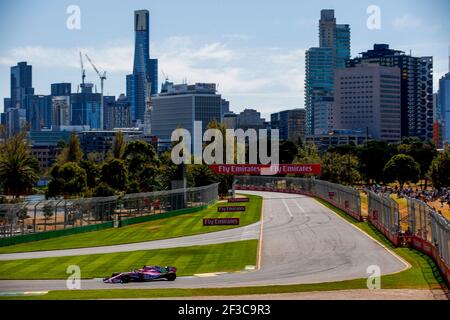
(147, 273)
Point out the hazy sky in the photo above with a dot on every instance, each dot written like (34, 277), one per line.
(254, 49)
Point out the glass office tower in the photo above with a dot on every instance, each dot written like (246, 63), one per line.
(333, 51)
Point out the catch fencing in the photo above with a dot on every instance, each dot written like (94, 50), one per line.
(384, 214)
(430, 233)
(54, 215)
(345, 198)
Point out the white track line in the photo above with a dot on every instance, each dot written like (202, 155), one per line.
(287, 208)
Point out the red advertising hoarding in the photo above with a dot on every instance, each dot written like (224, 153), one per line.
(231, 209)
(261, 169)
(221, 222)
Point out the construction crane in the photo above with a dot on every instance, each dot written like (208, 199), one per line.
(165, 76)
(102, 77)
(83, 72)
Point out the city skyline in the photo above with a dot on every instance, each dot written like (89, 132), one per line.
(233, 55)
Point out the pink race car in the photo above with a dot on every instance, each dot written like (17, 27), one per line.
(147, 273)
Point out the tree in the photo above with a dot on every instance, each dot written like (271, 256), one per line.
(307, 154)
(19, 170)
(288, 151)
(68, 179)
(373, 158)
(72, 152)
(200, 175)
(118, 146)
(440, 170)
(92, 172)
(402, 168)
(103, 190)
(114, 173)
(422, 152)
(339, 168)
(143, 166)
(345, 149)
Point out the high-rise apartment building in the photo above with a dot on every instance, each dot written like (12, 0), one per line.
(21, 84)
(444, 105)
(290, 123)
(367, 97)
(143, 82)
(416, 87)
(320, 63)
(21, 87)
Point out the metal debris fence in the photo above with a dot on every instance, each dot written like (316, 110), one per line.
(345, 198)
(430, 233)
(50, 215)
(384, 214)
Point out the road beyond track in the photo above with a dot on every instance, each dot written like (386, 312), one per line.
(302, 242)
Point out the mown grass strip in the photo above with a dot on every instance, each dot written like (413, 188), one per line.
(226, 257)
(183, 225)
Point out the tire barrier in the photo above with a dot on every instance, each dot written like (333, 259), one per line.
(345, 198)
(384, 214)
(429, 232)
(36, 217)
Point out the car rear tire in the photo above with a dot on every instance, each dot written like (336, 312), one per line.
(171, 277)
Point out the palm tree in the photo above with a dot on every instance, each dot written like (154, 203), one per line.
(18, 168)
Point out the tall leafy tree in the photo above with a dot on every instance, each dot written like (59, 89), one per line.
(440, 170)
(19, 170)
(402, 168)
(422, 152)
(72, 152)
(340, 168)
(200, 175)
(142, 165)
(114, 174)
(372, 159)
(118, 146)
(288, 152)
(92, 172)
(67, 180)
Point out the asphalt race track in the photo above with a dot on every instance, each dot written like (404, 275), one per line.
(302, 242)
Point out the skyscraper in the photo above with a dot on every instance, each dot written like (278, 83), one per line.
(333, 51)
(143, 82)
(21, 87)
(21, 84)
(416, 87)
(444, 105)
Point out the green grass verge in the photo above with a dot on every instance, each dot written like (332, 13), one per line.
(232, 256)
(183, 225)
(423, 274)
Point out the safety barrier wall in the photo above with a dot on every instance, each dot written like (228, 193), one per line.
(345, 198)
(383, 214)
(430, 233)
(44, 217)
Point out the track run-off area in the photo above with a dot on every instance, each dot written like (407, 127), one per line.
(300, 242)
